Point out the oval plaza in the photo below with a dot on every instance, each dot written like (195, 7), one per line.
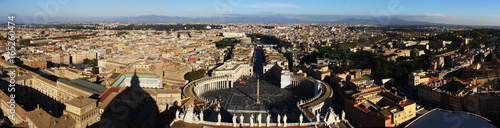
(237, 94)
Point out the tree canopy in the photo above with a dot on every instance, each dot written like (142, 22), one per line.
(195, 74)
(226, 42)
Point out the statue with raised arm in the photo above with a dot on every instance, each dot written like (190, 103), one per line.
(241, 119)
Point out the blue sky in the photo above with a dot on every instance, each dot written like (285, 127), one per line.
(464, 12)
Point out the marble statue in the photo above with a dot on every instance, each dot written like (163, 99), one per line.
(219, 117)
(259, 119)
(251, 120)
(301, 118)
(234, 120)
(343, 115)
(241, 119)
(279, 120)
(188, 116)
(268, 119)
(284, 120)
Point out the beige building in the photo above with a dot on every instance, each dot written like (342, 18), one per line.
(35, 63)
(70, 89)
(41, 119)
(45, 86)
(449, 94)
(233, 69)
(173, 74)
(378, 108)
(165, 98)
(83, 110)
(69, 73)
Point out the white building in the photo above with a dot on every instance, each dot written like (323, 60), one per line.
(142, 80)
(233, 34)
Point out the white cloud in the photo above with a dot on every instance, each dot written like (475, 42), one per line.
(438, 15)
(273, 5)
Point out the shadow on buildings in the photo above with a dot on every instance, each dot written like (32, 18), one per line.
(29, 99)
(258, 65)
(167, 116)
(131, 108)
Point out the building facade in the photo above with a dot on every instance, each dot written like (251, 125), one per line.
(378, 108)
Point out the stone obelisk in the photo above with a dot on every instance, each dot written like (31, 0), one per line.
(258, 88)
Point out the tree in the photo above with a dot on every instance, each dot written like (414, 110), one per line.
(95, 69)
(226, 42)
(60, 65)
(195, 74)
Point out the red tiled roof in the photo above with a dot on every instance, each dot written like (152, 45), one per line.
(433, 79)
(406, 103)
(108, 92)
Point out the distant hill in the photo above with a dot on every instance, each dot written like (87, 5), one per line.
(246, 18)
(383, 21)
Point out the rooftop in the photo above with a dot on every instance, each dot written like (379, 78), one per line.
(85, 85)
(81, 102)
(123, 76)
(42, 119)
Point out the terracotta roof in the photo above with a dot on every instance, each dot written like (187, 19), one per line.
(42, 119)
(108, 92)
(406, 103)
(81, 102)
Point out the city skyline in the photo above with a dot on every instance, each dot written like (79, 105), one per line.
(445, 12)
(236, 63)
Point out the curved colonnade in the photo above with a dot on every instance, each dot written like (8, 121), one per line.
(198, 87)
